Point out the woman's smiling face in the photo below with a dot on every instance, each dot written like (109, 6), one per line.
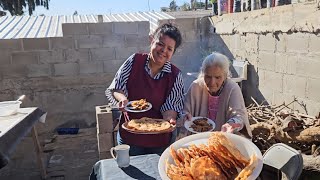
(214, 77)
(162, 49)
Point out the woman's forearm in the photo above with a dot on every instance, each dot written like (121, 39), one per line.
(119, 95)
(170, 114)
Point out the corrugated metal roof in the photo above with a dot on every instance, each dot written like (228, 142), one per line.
(15, 27)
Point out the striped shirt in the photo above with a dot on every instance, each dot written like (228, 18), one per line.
(173, 102)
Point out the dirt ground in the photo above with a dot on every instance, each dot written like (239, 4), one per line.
(67, 157)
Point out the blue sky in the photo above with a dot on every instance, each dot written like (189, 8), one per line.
(83, 7)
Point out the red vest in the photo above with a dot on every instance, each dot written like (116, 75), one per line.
(141, 86)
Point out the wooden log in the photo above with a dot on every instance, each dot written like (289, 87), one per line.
(311, 163)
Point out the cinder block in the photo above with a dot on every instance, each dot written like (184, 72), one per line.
(235, 41)
(186, 24)
(112, 66)
(5, 57)
(100, 28)
(25, 58)
(251, 42)
(125, 28)
(70, 29)
(314, 44)
(13, 44)
(281, 42)
(35, 44)
(113, 40)
(313, 89)
(104, 120)
(143, 28)
(297, 42)
(267, 42)
(38, 70)
(226, 39)
(90, 41)
(54, 56)
(66, 69)
(273, 81)
(281, 63)
(267, 94)
(13, 71)
(77, 55)
(133, 40)
(267, 61)
(91, 67)
(295, 85)
(105, 141)
(308, 66)
(62, 43)
(292, 61)
(190, 36)
(103, 54)
(105, 155)
(313, 107)
(124, 53)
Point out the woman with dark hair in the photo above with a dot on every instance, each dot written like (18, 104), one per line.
(152, 77)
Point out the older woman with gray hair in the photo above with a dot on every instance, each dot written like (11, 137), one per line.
(217, 97)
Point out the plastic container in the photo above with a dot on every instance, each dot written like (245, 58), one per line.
(67, 131)
(8, 108)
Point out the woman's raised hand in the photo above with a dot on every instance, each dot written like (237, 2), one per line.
(186, 117)
(230, 127)
(122, 104)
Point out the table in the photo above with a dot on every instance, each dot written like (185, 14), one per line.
(14, 127)
(143, 167)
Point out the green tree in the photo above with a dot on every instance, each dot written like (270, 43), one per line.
(17, 7)
(173, 6)
(185, 7)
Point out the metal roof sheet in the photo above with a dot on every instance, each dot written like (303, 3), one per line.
(15, 27)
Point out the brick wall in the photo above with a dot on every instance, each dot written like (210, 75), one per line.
(67, 76)
(283, 47)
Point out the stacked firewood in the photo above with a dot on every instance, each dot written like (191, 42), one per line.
(282, 124)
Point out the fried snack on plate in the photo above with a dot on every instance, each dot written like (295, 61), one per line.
(247, 171)
(204, 168)
(220, 159)
(139, 104)
(219, 138)
(149, 124)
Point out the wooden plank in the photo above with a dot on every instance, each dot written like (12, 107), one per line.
(38, 152)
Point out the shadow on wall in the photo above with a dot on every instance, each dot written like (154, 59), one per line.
(250, 87)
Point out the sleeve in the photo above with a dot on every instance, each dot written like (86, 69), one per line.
(120, 80)
(176, 97)
(237, 112)
(187, 107)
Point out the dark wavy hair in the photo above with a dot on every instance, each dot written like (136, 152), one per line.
(170, 30)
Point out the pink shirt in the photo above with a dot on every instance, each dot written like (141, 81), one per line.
(213, 102)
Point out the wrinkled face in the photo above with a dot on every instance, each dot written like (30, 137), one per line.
(162, 50)
(214, 77)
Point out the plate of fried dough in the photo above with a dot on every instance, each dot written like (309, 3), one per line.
(211, 155)
(148, 126)
(138, 106)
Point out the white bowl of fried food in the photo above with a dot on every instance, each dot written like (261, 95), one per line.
(211, 155)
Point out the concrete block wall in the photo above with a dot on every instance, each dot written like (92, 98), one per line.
(189, 56)
(284, 55)
(106, 130)
(67, 76)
